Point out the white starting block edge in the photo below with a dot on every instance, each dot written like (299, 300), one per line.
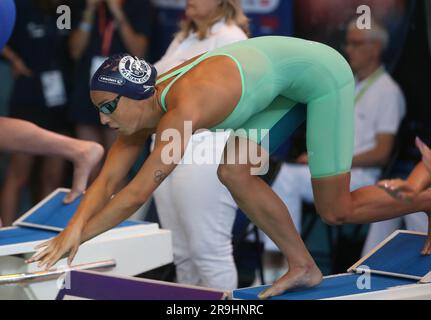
(408, 292)
(356, 268)
(135, 248)
(133, 254)
(29, 247)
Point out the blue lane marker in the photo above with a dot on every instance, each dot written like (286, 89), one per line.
(338, 286)
(401, 255)
(56, 214)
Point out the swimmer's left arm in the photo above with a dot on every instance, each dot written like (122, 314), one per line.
(155, 169)
(418, 181)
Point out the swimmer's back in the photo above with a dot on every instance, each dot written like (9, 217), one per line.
(279, 74)
(297, 69)
(273, 66)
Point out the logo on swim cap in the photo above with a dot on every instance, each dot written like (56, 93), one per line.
(113, 81)
(134, 70)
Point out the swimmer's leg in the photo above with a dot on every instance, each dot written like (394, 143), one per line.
(260, 202)
(330, 149)
(270, 214)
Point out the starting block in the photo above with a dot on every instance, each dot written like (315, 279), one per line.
(52, 215)
(132, 248)
(398, 256)
(331, 287)
(395, 270)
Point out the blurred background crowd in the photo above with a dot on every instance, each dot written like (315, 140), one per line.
(45, 73)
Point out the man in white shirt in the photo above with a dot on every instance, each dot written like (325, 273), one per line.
(380, 107)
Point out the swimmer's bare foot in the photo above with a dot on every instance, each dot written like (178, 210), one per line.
(426, 251)
(86, 159)
(297, 278)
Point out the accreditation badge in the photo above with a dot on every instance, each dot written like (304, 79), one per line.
(53, 88)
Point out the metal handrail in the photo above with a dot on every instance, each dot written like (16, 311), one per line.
(43, 275)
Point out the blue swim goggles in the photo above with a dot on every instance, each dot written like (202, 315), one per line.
(110, 106)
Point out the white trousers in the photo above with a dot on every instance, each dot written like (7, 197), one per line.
(200, 212)
(293, 186)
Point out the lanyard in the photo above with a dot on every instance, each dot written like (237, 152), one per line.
(106, 29)
(371, 80)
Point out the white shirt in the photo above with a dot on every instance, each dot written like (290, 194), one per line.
(380, 110)
(221, 34)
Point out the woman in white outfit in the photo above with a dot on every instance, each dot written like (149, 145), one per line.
(192, 202)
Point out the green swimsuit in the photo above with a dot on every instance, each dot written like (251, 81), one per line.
(280, 75)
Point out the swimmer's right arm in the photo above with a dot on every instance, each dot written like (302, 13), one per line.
(120, 159)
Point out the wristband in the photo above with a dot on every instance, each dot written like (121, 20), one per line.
(85, 27)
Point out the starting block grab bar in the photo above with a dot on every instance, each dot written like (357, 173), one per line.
(42, 275)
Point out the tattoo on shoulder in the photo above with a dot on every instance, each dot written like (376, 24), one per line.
(159, 176)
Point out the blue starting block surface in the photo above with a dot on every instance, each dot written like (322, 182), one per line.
(52, 214)
(399, 255)
(98, 286)
(331, 287)
(17, 235)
